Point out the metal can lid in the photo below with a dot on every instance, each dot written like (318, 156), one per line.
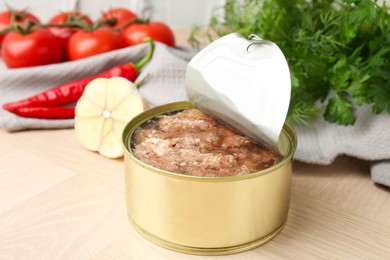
(245, 83)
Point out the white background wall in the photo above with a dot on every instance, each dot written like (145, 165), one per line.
(176, 13)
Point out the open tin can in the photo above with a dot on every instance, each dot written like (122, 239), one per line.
(207, 215)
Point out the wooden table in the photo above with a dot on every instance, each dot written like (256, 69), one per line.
(60, 201)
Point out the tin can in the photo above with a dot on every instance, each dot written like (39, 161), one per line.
(207, 215)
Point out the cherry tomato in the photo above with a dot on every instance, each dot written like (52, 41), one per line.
(84, 44)
(19, 17)
(39, 47)
(158, 31)
(64, 33)
(116, 17)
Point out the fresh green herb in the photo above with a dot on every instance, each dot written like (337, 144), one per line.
(338, 51)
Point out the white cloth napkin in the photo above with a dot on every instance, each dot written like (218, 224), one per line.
(368, 139)
(164, 83)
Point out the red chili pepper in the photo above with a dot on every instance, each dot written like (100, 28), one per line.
(71, 92)
(45, 112)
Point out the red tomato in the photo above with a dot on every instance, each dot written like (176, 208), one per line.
(64, 33)
(40, 47)
(116, 17)
(160, 32)
(19, 16)
(84, 44)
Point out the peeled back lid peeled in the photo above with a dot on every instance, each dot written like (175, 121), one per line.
(244, 83)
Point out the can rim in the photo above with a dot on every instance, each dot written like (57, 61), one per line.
(211, 251)
(170, 107)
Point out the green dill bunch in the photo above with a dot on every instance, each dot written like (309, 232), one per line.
(338, 51)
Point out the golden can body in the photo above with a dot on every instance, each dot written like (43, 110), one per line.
(207, 215)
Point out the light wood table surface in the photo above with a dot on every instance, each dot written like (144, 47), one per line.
(60, 201)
